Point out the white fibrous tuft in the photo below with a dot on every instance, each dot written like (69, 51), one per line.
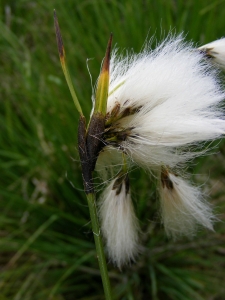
(215, 51)
(183, 207)
(163, 103)
(163, 106)
(119, 224)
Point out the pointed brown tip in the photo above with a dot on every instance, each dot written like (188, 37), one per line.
(166, 182)
(105, 66)
(58, 36)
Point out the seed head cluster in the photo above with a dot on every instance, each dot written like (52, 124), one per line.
(163, 105)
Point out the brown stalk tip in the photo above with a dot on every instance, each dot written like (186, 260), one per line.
(166, 180)
(58, 37)
(105, 67)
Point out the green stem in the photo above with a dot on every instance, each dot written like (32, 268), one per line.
(99, 246)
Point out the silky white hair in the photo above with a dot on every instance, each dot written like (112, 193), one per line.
(216, 52)
(183, 208)
(163, 105)
(176, 100)
(119, 225)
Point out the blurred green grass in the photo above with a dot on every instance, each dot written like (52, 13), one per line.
(46, 245)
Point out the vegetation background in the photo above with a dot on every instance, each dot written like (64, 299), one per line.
(46, 244)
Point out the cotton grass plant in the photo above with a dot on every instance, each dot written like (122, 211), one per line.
(155, 110)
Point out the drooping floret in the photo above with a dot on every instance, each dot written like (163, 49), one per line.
(119, 223)
(183, 207)
(216, 52)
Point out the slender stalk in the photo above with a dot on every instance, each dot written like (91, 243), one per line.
(90, 144)
(99, 246)
(62, 56)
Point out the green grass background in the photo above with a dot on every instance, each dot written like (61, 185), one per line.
(46, 244)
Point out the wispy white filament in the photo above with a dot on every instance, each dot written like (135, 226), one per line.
(119, 225)
(216, 51)
(176, 100)
(183, 208)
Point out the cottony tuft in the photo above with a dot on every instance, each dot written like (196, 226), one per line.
(163, 105)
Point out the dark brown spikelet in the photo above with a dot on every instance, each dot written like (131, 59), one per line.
(122, 179)
(166, 182)
(94, 138)
(84, 158)
(59, 37)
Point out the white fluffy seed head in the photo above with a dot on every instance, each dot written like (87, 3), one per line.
(119, 224)
(216, 51)
(183, 207)
(166, 101)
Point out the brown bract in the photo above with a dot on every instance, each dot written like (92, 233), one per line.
(84, 157)
(166, 182)
(123, 178)
(59, 37)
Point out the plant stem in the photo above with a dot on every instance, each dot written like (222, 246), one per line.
(99, 246)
